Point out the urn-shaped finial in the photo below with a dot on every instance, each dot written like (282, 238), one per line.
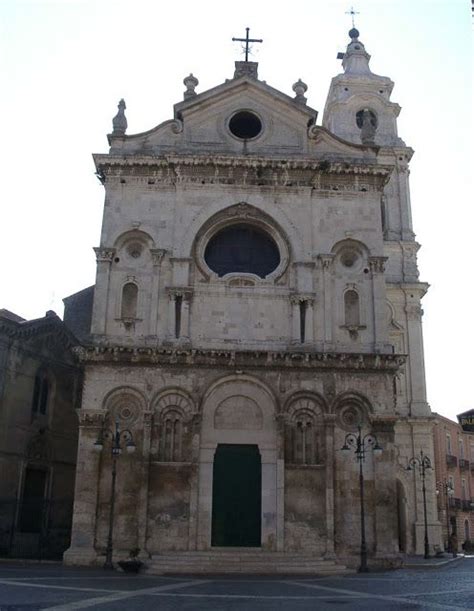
(191, 82)
(300, 89)
(119, 122)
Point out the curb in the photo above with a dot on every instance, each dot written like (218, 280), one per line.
(432, 565)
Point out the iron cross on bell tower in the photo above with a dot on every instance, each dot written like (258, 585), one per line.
(247, 40)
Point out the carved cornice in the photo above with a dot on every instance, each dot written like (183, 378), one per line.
(104, 254)
(322, 174)
(241, 359)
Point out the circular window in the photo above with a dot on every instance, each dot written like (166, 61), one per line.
(349, 257)
(360, 118)
(242, 249)
(245, 125)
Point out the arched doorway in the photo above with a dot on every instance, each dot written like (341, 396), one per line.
(238, 467)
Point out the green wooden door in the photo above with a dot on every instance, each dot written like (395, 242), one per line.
(237, 496)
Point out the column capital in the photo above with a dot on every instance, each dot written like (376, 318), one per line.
(297, 298)
(185, 292)
(104, 254)
(326, 260)
(157, 255)
(377, 264)
(90, 418)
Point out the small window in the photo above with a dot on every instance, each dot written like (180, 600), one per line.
(242, 249)
(39, 403)
(351, 309)
(461, 449)
(129, 300)
(245, 125)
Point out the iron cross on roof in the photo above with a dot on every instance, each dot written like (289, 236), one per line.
(247, 40)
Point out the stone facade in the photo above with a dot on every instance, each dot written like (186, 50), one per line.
(195, 348)
(40, 387)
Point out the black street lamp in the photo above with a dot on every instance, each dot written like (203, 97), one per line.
(423, 463)
(118, 438)
(360, 444)
(448, 491)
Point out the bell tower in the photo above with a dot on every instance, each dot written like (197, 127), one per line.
(358, 106)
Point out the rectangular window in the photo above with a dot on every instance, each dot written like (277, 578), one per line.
(448, 444)
(461, 449)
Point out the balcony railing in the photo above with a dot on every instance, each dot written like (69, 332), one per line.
(466, 505)
(463, 463)
(472, 465)
(451, 460)
(454, 503)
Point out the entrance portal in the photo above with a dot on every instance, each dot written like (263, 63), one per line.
(237, 496)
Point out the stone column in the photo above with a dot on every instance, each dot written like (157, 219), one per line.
(385, 488)
(157, 255)
(185, 332)
(326, 265)
(329, 422)
(194, 492)
(406, 226)
(104, 258)
(144, 488)
(296, 301)
(280, 482)
(82, 549)
(184, 328)
(377, 269)
(295, 319)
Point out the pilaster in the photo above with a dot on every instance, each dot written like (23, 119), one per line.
(104, 256)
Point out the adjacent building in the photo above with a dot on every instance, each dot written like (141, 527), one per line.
(454, 466)
(40, 387)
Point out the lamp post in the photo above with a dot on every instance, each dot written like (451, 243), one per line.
(360, 444)
(448, 491)
(423, 463)
(118, 439)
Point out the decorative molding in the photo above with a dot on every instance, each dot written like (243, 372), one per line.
(413, 311)
(244, 359)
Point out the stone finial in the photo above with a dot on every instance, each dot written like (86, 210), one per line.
(246, 69)
(356, 59)
(368, 129)
(119, 122)
(190, 82)
(300, 89)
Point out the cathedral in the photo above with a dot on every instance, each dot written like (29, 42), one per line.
(256, 311)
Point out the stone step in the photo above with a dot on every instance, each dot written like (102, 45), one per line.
(252, 562)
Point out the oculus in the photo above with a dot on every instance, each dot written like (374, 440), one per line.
(244, 249)
(245, 125)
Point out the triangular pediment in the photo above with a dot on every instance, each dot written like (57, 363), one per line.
(202, 124)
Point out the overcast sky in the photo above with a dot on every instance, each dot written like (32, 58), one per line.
(66, 63)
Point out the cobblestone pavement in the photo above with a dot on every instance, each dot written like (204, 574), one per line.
(30, 587)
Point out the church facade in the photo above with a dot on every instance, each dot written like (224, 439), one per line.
(257, 300)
